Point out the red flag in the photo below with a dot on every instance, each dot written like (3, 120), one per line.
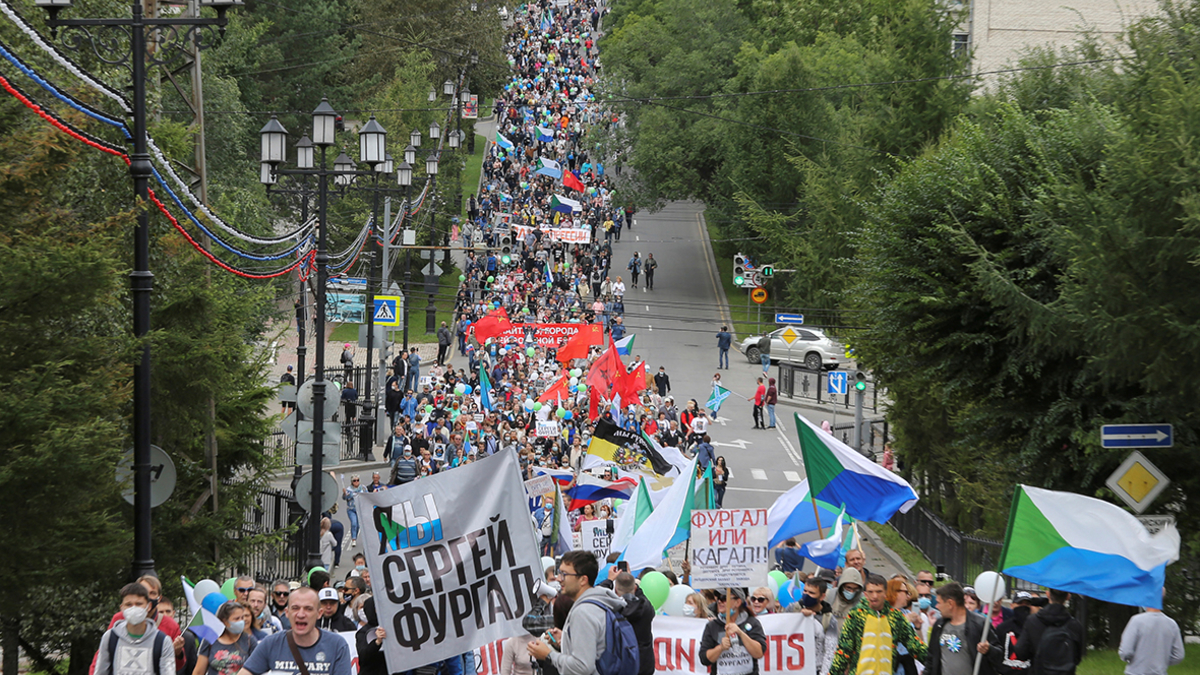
(593, 405)
(577, 346)
(629, 384)
(557, 390)
(606, 372)
(491, 325)
(569, 180)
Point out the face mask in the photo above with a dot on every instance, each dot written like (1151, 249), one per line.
(808, 601)
(237, 627)
(263, 615)
(924, 603)
(689, 610)
(360, 567)
(848, 594)
(135, 615)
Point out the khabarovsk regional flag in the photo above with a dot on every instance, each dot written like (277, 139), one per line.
(1083, 545)
(625, 345)
(793, 515)
(548, 167)
(503, 142)
(545, 134)
(825, 552)
(840, 476)
(668, 524)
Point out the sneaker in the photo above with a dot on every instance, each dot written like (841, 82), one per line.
(353, 543)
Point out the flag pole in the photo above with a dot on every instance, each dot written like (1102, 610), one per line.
(812, 497)
(817, 514)
(728, 605)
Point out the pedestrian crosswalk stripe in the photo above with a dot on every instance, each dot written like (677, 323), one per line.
(758, 474)
(792, 476)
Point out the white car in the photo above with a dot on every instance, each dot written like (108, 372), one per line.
(798, 344)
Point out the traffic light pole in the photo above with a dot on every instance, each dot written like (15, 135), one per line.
(860, 390)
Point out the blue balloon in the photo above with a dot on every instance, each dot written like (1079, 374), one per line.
(466, 390)
(213, 601)
(569, 415)
(785, 594)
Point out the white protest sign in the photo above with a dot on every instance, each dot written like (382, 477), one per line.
(790, 646)
(594, 536)
(452, 559)
(729, 548)
(547, 428)
(539, 486)
(352, 643)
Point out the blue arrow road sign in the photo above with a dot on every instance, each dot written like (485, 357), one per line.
(836, 384)
(1137, 436)
(794, 319)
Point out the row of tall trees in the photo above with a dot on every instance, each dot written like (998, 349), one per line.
(65, 311)
(1023, 260)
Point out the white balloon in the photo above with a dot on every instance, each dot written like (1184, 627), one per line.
(989, 586)
(673, 605)
(574, 381)
(547, 563)
(773, 584)
(204, 587)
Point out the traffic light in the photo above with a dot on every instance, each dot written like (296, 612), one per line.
(741, 265)
(768, 271)
(860, 380)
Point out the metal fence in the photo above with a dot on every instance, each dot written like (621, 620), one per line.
(797, 382)
(961, 556)
(273, 511)
(875, 435)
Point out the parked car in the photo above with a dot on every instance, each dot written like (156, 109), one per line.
(798, 344)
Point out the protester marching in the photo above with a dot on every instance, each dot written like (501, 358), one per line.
(548, 506)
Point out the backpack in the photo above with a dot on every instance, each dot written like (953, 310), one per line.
(1056, 651)
(159, 637)
(620, 655)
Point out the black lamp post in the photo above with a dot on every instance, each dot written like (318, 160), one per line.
(106, 38)
(431, 168)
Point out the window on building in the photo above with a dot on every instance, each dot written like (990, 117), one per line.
(961, 45)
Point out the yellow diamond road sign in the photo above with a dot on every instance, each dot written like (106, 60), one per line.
(789, 335)
(1137, 482)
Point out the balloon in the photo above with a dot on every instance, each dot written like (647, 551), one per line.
(656, 587)
(547, 563)
(530, 352)
(503, 351)
(458, 388)
(213, 601)
(773, 585)
(574, 381)
(566, 265)
(492, 280)
(462, 277)
(785, 594)
(569, 415)
(227, 588)
(204, 587)
(576, 372)
(561, 413)
(428, 409)
(676, 598)
(989, 586)
(573, 388)
(537, 407)
(467, 390)
(779, 577)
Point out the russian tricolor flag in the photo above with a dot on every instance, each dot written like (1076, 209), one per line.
(589, 490)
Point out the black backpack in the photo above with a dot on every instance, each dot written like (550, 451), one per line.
(1056, 651)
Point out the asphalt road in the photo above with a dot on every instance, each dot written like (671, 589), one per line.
(676, 326)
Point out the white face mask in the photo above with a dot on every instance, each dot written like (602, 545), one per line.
(689, 610)
(135, 615)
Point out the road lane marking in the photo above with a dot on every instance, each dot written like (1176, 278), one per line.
(758, 474)
(792, 476)
(745, 489)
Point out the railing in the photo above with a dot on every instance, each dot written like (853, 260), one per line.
(273, 511)
(797, 382)
(961, 556)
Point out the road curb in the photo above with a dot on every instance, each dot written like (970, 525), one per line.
(711, 256)
(893, 557)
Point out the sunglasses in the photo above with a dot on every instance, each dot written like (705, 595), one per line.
(758, 598)
(247, 589)
(283, 594)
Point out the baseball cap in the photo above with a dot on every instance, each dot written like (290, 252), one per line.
(327, 594)
(1022, 596)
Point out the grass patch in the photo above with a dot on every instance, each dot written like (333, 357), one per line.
(443, 301)
(745, 319)
(913, 559)
(1106, 662)
(472, 171)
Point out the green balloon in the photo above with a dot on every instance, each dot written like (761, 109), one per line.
(656, 587)
(566, 265)
(428, 409)
(227, 589)
(779, 576)
(561, 413)
(491, 279)
(530, 352)
(462, 277)
(537, 407)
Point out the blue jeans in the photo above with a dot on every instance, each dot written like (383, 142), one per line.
(353, 523)
(771, 412)
(766, 362)
(723, 358)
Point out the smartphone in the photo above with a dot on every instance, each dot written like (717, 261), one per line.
(623, 565)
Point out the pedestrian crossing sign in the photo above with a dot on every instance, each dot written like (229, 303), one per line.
(387, 310)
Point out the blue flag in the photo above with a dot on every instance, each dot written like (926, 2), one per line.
(485, 388)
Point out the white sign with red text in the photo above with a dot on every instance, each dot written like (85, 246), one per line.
(729, 548)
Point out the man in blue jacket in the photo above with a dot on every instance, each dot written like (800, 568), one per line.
(724, 341)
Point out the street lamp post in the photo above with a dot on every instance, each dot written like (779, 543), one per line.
(103, 36)
(431, 168)
(373, 152)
